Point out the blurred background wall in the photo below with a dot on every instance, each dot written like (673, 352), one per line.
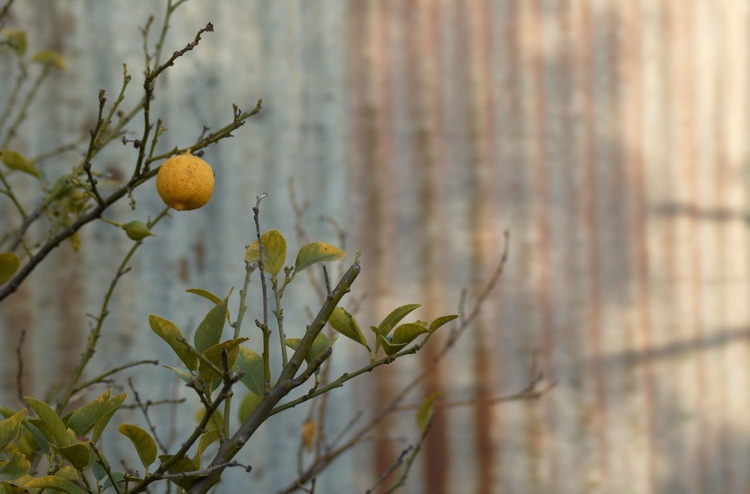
(608, 138)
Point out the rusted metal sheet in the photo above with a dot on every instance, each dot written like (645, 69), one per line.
(608, 138)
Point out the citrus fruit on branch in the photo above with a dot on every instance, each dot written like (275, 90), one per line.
(185, 182)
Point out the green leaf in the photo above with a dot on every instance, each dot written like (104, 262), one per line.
(183, 373)
(16, 161)
(137, 230)
(16, 38)
(84, 418)
(169, 332)
(215, 356)
(9, 264)
(18, 466)
(77, 454)
(389, 347)
(425, 412)
(119, 478)
(205, 294)
(183, 465)
(320, 345)
(209, 330)
(250, 364)
(55, 483)
(101, 423)
(344, 323)
(441, 321)
(49, 57)
(391, 320)
(406, 333)
(51, 421)
(97, 467)
(39, 436)
(274, 252)
(9, 428)
(316, 252)
(144, 444)
(248, 406)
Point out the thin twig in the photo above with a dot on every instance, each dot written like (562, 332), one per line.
(399, 461)
(105, 466)
(95, 333)
(19, 375)
(144, 410)
(100, 378)
(142, 486)
(264, 288)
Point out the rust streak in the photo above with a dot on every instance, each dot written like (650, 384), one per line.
(632, 109)
(541, 421)
(422, 74)
(370, 157)
(591, 211)
(71, 324)
(484, 228)
(684, 63)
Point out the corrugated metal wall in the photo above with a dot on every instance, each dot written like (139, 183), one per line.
(608, 137)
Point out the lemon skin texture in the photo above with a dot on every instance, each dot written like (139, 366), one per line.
(185, 182)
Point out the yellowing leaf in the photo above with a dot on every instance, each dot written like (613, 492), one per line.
(274, 252)
(49, 57)
(209, 330)
(9, 428)
(17, 467)
(83, 419)
(441, 321)
(250, 364)
(55, 483)
(143, 442)
(58, 433)
(215, 355)
(344, 323)
(113, 404)
(309, 429)
(205, 294)
(169, 332)
(16, 161)
(317, 252)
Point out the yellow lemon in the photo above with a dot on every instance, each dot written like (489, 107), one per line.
(185, 182)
